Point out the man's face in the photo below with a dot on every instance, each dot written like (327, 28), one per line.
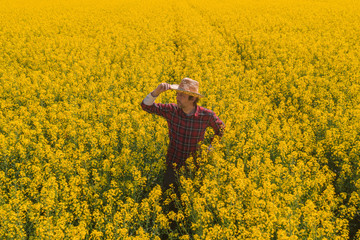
(183, 100)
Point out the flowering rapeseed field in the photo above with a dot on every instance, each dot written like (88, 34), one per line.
(79, 159)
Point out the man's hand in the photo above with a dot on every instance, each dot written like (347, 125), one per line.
(161, 88)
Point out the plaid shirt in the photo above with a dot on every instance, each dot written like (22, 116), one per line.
(185, 132)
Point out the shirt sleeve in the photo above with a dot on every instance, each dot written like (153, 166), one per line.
(149, 99)
(160, 109)
(218, 125)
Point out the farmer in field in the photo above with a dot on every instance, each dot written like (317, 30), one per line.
(187, 123)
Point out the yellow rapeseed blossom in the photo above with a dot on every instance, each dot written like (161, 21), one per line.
(79, 159)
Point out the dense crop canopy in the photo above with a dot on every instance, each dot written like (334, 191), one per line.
(80, 159)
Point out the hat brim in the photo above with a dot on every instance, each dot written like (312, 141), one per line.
(176, 88)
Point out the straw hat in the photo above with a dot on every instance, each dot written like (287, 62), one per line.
(188, 86)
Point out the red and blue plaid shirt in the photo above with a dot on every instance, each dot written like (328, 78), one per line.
(185, 132)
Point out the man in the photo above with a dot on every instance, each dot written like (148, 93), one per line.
(187, 123)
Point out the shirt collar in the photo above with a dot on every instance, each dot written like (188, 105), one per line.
(196, 113)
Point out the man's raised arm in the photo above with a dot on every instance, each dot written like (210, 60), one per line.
(160, 109)
(150, 98)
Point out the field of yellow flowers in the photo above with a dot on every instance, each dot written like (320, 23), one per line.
(80, 159)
